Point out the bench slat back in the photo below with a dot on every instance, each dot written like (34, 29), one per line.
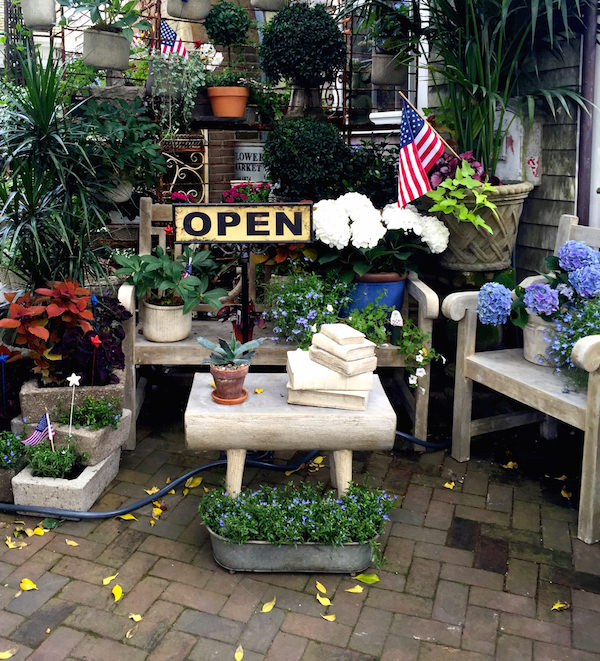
(569, 230)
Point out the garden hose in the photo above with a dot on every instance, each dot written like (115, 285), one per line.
(425, 444)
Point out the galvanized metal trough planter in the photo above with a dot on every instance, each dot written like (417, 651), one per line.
(257, 556)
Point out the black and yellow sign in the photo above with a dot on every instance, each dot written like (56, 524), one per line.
(243, 223)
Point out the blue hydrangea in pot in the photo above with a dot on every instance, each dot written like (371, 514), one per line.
(546, 307)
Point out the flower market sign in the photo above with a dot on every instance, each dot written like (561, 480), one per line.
(243, 223)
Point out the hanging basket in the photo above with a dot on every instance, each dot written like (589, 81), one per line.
(385, 72)
(192, 10)
(474, 249)
(121, 192)
(268, 5)
(39, 14)
(105, 49)
(228, 101)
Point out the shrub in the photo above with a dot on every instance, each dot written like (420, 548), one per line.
(372, 169)
(307, 158)
(227, 24)
(60, 463)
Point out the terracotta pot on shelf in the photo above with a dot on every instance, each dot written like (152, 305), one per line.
(228, 101)
(229, 383)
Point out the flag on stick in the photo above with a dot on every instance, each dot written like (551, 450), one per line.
(420, 147)
(170, 41)
(188, 269)
(43, 430)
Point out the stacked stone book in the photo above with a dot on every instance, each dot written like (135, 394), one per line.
(336, 372)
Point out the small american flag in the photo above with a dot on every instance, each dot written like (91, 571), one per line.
(170, 42)
(420, 147)
(43, 430)
(188, 269)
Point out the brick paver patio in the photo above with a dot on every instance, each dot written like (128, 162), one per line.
(470, 573)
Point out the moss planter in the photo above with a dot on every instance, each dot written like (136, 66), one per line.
(104, 49)
(259, 556)
(6, 492)
(35, 399)
(78, 494)
(97, 443)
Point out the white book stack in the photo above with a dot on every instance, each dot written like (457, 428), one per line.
(336, 372)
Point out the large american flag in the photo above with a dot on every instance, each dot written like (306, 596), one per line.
(43, 430)
(420, 147)
(170, 42)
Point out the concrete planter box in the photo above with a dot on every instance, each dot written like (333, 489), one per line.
(6, 493)
(34, 399)
(105, 49)
(191, 10)
(78, 494)
(312, 558)
(39, 14)
(97, 443)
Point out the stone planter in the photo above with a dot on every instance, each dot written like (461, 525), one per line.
(35, 399)
(39, 14)
(536, 340)
(121, 192)
(78, 494)
(6, 492)
(105, 50)
(166, 323)
(268, 5)
(384, 71)
(474, 249)
(192, 10)
(97, 443)
(312, 558)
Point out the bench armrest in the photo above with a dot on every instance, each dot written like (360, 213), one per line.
(532, 280)
(126, 296)
(456, 305)
(586, 353)
(428, 300)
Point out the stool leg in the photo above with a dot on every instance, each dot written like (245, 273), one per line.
(235, 471)
(343, 470)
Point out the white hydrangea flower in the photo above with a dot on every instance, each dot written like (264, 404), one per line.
(435, 234)
(367, 230)
(331, 224)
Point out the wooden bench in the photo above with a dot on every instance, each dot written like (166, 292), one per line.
(139, 351)
(265, 421)
(538, 387)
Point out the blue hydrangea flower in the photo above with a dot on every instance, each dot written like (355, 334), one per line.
(494, 303)
(575, 254)
(540, 298)
(586, 281)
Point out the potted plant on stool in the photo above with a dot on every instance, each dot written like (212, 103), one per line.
(229, 364)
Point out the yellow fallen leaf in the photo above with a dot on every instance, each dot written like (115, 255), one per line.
(117, 592)
(8, 653)
(127, 517)
(560, 606)
(28, 532)
(70, 542)
(18, 594)
(258, 390)
(14, 545)
(324, 601)
(136, 617)
(565, 494)
(357, 589)
(206, 489)
(131, 633)
(156, 512)
(367, 578)
(158, 504)
(108, 579)
(288, 473)
(193, 482)
(27, 584)
(562, 478)
(172, 491)
(329, 618)
(510, 465)
(318, 460)
(39, 531)
(239, 653)
(48, 630)
(168, 480)
(268, 607)
(321, 587)
(17, 522)
(152, 523)
(185, 492)
(449, 485)
(151, 491)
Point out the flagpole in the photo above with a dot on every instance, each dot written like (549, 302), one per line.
(428, 124)
(50, 434)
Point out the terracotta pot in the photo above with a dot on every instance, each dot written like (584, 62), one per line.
(229, 383)
(228, 101)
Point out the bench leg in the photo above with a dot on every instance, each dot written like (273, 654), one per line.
(463, 389)
(342, 461)
(235, 471)
(588, 525)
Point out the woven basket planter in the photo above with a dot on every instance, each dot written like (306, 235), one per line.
(474, 249)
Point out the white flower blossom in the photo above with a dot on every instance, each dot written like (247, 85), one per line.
(331, 224)
(329, 307)
(419, 357)
(412, 380)
(313, 328)
(420, 371)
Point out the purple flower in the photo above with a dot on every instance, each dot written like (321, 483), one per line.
(586, 280)
(494, 303)
(575, 254)
(540, 298)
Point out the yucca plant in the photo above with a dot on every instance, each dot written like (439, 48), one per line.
(232, 353)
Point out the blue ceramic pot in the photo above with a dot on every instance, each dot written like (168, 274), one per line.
(379, 289)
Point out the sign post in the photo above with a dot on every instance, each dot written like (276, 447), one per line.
(243, 224)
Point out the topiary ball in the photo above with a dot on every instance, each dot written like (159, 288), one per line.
(227, 24)
(302, 44)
